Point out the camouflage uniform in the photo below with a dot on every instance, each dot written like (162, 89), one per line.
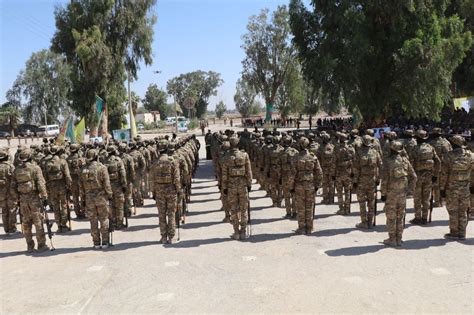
(456, 185)
(28, 186)
(288, 170)
(367, 166)
(95, 184)
(7, 200)
(140, 165)
(426, 165)
(184, 172)
(397, 176)
(58, 182)
(442, 146)
(236, 184)
(308, 177)
(344, 154)
(327, 159)
(165, 180)
(118, 183)
(225, 146)
(75, 163)
(129, 165)
(276, 182)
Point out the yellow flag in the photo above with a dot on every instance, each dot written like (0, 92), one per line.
(133, 127)
(80, 131)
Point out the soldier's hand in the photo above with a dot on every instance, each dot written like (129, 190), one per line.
(471, 190)
(354, 186)
(434, 179)
(225, 191)
(249, 188)
(383, 198)
(443, 193)
(45, 202)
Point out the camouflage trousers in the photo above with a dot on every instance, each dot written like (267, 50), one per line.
(98, 212)
(137, 191)
(128, 199)
(225, 204)
(276, 193)
(166, 202)
(328, 188)
(395, 206)
(344, 190)
(57, 201)
(286, 190)
(304, 200)
(118, 203)
(8, 216)
(238, 199)
(457, 203)
(76, 193)
(422, 194)
(144, 184)
(438, 202)
(366, 198)
(30, 206)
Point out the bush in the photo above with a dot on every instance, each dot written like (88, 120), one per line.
(193, 124)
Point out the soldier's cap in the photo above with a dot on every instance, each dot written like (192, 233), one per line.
(234, 141)
(91, 154)
(3, 153)
(269, 138)
(409, 132)
(54, 149)
(342, 136)
(436, 131)
(111, 148)
(391, 135)
(458, 140)
(311, 136)
(163, 144)
(122, 146)
(303, 142)
(287, 140)
(33, 146)
(25, 155)
(354, 132)
(225, 145)
(74, 147)
(422, 134)
(369, 132)
(325, 136)
(367, 140)
(396, 146)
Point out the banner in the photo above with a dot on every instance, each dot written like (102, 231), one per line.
(80, 131)
(464, 102)
(66, 132)
(99, 109)
(269, 111)
(121, 135)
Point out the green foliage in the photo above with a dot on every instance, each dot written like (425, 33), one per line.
(193, 124)
(156, 100)
(197, 86)
(220, 109)
(291, 94)
(268, 52)
(380, 56)
(102, 41)
(244, 98)
(10, 115)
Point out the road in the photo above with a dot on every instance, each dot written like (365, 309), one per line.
(337, 269)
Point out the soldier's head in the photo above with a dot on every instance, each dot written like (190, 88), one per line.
(171, 148)
(421, 136)
(25, 155)
(234, 142)
(391, 135)
(33, 147)
(367, 140)
(342, 137)
(54, 150)
(74, 147)
(408, 133)
(457, 141)
(303, 143)
(123, 147)
(268, 139)
(436, 132)
(286, 141)
(3, 154)
(112, 150)
(311, 137)
(276, 140)
(325, 137)
(163, 146)
(92, 155)
(396, 147)
(225, 146)
(354, 133)
(369, 132)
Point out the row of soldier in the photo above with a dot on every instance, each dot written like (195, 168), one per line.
(293, 166)
(103, 182)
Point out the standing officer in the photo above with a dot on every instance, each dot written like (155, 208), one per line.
(344, 154)
(7, 200)
(236, 184)
(288, 170)
(398, 175)
(442, 146)
(164, 180)
(28, 186)
(327, 159)
(308, 178)
(118, 183)
(457, 184)
(367, 168)
(97, 192)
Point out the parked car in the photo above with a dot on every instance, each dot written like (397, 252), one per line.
(25, 130)
(48, 131)
(140, 127)
(4, 134)
(169, 121)
(183, 123)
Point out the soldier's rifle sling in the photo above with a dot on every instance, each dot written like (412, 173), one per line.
(49, 225)
(375, 205)
(249, 221)
(431, 204)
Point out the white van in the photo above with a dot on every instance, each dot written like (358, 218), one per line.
(48, 131)
(170, 121)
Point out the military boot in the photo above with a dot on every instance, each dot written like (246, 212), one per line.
(243, 234)
(370, 222)
(340, 212)
(163, 239)
(451, 236)
(390, 242)
(416, 221)
(226, 219)
(171, 240)
(300, 230)
(362, 225)
(236, 235)
(399, 241)
(31, 246)
(42, 247)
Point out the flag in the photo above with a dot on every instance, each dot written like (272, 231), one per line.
(70, 131)
(464, 102)
(99, 109)
(66, 131)
(80, 131)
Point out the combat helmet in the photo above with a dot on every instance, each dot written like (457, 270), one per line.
(458, 140)
(367, 140)
(286, 141)
(91, 155)
(234, 141)
(268, 139)
(421, 134)
(54, 149)
(396, 146)
(25, 155)
(436, 131)
(3, 153)
(163, 145)
(304, 143)
(74, 147)
(111, 150)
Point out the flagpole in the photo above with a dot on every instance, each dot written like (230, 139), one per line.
(130, 113)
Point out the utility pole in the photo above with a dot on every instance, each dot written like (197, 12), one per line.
(130, 112)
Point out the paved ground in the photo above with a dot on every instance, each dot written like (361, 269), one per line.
(337, 269)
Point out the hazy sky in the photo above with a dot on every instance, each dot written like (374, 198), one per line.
(189, 35)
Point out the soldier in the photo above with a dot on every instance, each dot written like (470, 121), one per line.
(165, 181)
(376, 142)
(355, 140)
(266, 163)
(140, 165)
(397, 176)
(95, 185)
(308, 177)
(129, 165)
(236, 184)
(327, 159)
(224, 150)
(208, 140)
(58, 182)
(409, 143)
(457, 184)
(7, 200)
(276, 193)
(184, 172)
(28, 186)
(75, 163)
(288, 171)
(344, 154)
(118, 183)
(442, 146)
(367, 167)
(426, 165)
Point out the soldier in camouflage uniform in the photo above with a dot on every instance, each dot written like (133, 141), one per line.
(308, 177)
(367, 166)
(236, 184)
(97, 193)
(397, 176)
(409, 144)
(344, 154)
(275, 170)
(140, 165)
(327, 159)
(224, 150)
(288, 171)
(457, 184)
(129, 165)
(165, 183)
(7, 200)
(184, 172)
(266, 163)
(118, 183)
(426, 165)
(442, 146)
(75, 163)
(58, 182)
(28, 186)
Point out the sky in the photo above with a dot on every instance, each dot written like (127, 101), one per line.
(189, 35)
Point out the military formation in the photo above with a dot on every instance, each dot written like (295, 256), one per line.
(293, 166)
(103, 183)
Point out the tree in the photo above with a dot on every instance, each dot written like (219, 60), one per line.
(10, 115)
(268, 53)
(155, 99)
(45, 85)
(290, 95)
(220, 109)
(104, 41)
(198, 85)
(244, 98)
(380, 56)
